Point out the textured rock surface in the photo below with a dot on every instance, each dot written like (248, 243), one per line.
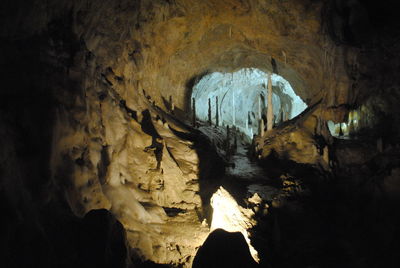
(78, 121)
(305, 139)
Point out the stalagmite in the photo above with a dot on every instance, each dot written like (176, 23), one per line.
(270, 110)
(216, 112)
(227, 140)
(340, 130)
(194, 112)
(249, 118)
(209, 112)
(259, 107)
(261, 132)
(233, 108)
(234, 139)
(351, 127)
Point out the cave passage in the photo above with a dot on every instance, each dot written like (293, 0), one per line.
(239, 99)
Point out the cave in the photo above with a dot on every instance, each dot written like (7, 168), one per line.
(240, 99)
(215, 133)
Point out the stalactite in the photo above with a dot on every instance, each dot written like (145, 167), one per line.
(270, 111)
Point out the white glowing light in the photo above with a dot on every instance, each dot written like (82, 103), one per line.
(231, 217)
(239, 94)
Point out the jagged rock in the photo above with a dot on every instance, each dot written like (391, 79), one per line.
(255, 199)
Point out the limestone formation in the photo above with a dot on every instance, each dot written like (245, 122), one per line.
(270, 108)
(216, 112)
(209, 112)
(97, 113)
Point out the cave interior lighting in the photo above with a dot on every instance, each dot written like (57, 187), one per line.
(357, 120)
(231, 217)
(242, 99)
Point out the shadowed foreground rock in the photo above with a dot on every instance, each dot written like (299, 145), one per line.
(224, 249)
(102, 240)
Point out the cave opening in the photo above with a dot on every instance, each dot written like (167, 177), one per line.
(240, 100)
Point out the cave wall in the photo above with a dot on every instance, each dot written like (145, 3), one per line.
(78, 74)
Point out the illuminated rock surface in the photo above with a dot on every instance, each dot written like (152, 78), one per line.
(231, 217)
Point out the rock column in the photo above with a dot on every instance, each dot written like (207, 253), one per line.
(194, 112)
(270, 110)
(209, 112)
(216, 112)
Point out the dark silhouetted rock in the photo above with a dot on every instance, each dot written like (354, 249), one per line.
(224, 249)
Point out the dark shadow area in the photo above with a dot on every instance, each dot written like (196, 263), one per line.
(275, 166)
(224, 249)
(102, 241)
(147, 125)
(103, 165)
(347, 219)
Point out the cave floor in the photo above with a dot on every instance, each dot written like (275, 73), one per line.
(244, 176)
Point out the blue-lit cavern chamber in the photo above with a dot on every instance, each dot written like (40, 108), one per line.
(242, 99)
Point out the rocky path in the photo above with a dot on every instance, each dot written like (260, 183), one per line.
(244, 176)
